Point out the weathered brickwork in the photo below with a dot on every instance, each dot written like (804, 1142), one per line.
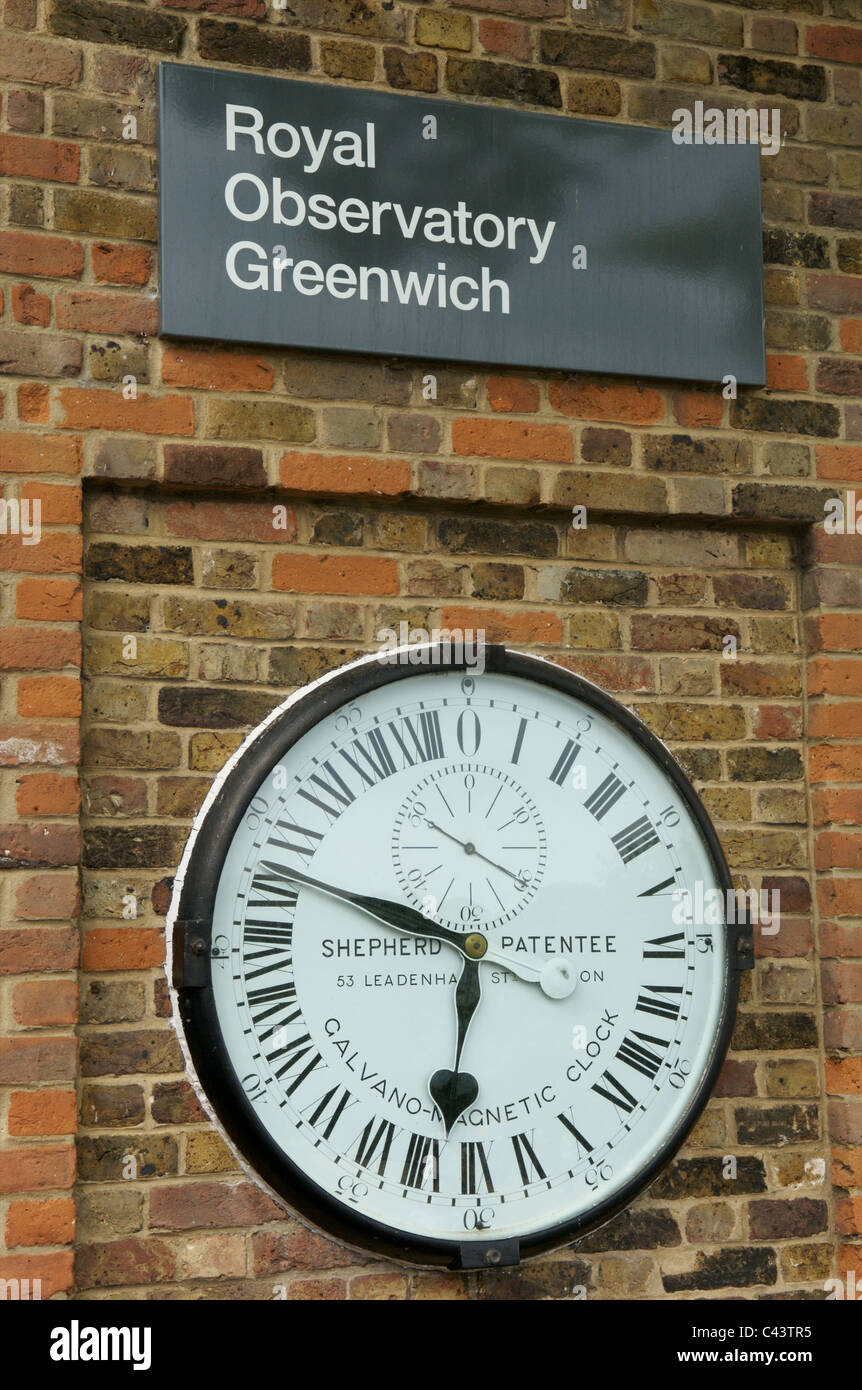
(220, 526)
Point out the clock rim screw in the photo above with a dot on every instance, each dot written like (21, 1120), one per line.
(198, 946)
(493, 1257)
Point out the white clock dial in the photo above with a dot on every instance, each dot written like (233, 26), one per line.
(505, 811)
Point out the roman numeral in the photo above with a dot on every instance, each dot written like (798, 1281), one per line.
(281, 893)
(665, 952)
(294, 1052)
(415, 1172)
(564, 762)
(526, 1159)
(336, 788)
(291, 829)
(519, 740)
(619, 1096)
(661, 1006)
(373, 763)
(635, 839)
(474, 1169)
(331, 1107)
(641, 1058)
(584, 1145)
(606, 795)
(275, 937)
(372, 1140)
(269, 1000)
(658, 890)
(427, 739)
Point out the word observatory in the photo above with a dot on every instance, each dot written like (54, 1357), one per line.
(252, 200)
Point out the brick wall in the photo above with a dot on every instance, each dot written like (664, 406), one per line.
(705, 521)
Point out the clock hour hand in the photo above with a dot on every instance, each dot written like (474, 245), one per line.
(453, 1091)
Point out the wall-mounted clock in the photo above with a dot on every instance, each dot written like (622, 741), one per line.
(434, 965)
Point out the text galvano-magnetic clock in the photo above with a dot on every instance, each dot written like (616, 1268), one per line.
(429, 962)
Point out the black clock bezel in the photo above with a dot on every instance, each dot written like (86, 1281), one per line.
(191, 914)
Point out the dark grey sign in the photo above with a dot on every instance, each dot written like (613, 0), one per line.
(326, 217)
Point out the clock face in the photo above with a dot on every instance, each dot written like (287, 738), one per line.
(449, 994)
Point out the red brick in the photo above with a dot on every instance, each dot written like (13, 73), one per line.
(842, 461)
(847, 1168)
(844, 1076)
(38, 949)
(35, 60)
(843, 720)
(48, 897)
(833, 676)
(62, 554)
(848, 1216)
(786, 373)
(186, 1206)
(49, 695)
(29, 307)
(839, 294)
(48, 845)
(39, 453)
(26, 111)
(845, 1126)
(49, 600)
(215, 369)
(838, 807)
(92, 312)
(37, 253)
(48, 794)
(27, 1060)
(835, 762)
(54, 1270)
(229, 521)
(121, 265)
(334, 574)
(839, 938)
(50, 1222)
(38, 744)
(834, 632)
(514, 394)
(110, 1264)
(344, 473)
(44, 1003)
(593, 400)
(30, 649)
(123, 948)
(61, 504)
(106, 410)
(620, 673)
(838, 42)
(46, 1112)
(505, 39)
(25, 157)
(851, 335)
(34, 403)
(695, 409)
(524, 625)
(512, 439)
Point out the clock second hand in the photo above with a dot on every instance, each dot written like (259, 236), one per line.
(554, 975)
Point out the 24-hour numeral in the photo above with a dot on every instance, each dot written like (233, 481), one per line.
(615, 1092)
(665, 949)
(415, 1172)
(584, 1145)
(375, 1142)
(331, 1107)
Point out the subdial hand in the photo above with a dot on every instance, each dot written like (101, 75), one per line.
(470, 848)
(453, 1091)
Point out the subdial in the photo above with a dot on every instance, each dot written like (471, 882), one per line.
(469, 847)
